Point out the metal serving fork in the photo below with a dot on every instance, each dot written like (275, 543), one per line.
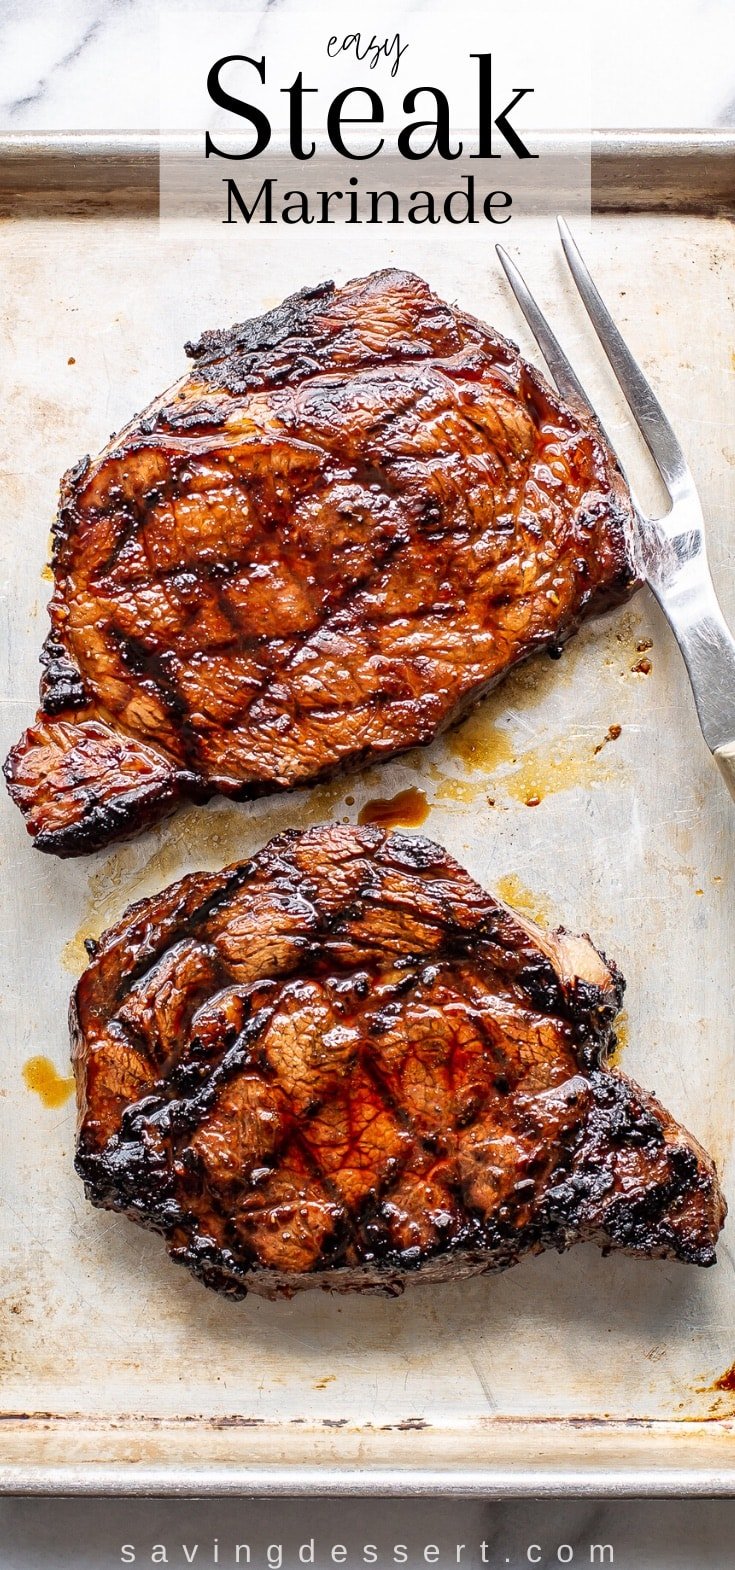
(671, 550)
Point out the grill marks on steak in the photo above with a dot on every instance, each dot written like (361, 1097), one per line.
(352, 517)
(343, 1062)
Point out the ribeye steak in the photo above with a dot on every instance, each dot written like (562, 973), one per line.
(347, 522)
(343, 1064)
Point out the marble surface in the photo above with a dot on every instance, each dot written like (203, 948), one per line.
(83, 64)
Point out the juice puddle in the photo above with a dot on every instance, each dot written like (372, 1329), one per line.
(74, 956)
(450, 789)
(480, 744)
(726, 1381)
(408, 807)
(525, 776)
(721, 1393)
(43, 1078)
(621, 1039)
(548, 770)
(514, 893)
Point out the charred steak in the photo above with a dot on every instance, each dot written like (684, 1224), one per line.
(348, 521)
(343, 1064)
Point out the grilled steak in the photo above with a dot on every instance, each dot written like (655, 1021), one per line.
(343, 1064)
(353, 516)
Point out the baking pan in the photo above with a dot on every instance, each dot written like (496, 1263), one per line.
(572, 1374)
(680, 171)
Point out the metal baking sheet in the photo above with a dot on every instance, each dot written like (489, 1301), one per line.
(572, 1374)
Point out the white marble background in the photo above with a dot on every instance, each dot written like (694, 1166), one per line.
(83, 64)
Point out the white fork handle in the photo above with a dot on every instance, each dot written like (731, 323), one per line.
(725, 758)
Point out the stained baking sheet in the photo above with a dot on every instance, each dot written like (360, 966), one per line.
(572, 1373)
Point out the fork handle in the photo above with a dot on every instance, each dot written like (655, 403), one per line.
(708, 646)
(725, 759)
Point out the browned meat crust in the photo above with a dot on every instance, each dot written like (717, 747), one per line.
(343, 1064)
(352, 518)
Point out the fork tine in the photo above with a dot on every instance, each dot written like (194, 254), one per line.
(639, 395)
(563, 374)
